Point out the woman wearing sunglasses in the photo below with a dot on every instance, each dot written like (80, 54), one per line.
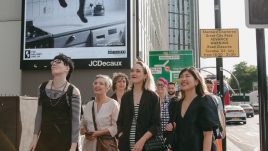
(58, 114)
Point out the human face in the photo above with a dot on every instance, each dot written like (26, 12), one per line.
(160, 87)
(121, 84)
(187, 81)
(171, 89)
(137, 74)
(210, 87)
(58, 67)
(100, 87)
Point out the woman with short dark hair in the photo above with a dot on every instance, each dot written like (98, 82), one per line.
(59, 106)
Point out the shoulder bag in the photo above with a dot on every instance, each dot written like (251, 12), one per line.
(105, 142)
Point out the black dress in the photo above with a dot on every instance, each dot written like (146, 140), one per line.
(56, 123)
(190, 128)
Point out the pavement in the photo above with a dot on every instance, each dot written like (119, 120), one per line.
(231, 146)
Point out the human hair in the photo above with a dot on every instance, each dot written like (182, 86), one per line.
(164, 81)
(208, 81)
(67, 61)
(117, 76)
(201, 88)
(107, 79)
(171, 83)
(148, 83)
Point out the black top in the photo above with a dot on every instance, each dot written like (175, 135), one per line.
(197, 119)
(148, 117)
(114, 97)
(56, 122)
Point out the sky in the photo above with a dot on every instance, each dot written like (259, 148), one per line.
(232, 16)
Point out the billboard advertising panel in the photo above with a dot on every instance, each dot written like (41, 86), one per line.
(95, 34)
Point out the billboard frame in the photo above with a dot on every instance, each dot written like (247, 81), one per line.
(107, 61)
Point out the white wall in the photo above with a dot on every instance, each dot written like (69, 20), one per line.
(10, 75)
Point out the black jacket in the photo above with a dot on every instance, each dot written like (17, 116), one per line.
(148, 117)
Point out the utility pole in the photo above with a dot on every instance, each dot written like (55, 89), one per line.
(219, 62)
(262, 88)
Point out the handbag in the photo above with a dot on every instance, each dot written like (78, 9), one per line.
(155, 143)
(105, 142)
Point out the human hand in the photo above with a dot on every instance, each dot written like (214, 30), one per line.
(89, 136)
(223, 134)
(169, 126)
(73, 147)
(139, 145)
(83, 130)
(33, 143)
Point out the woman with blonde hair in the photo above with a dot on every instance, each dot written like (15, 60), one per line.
(139, 116)
(100, 116)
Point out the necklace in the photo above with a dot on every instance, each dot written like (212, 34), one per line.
(57, 100)
(64, 84)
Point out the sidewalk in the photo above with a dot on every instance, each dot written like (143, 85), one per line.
(231, 146)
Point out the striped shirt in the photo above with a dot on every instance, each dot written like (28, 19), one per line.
(164, 113)
(132, 133)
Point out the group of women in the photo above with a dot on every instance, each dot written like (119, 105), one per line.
(131, 115)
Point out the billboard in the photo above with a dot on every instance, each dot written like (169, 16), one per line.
(168, 64)
(95, 34)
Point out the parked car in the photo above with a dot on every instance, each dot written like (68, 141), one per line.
(235, 114)
(255, 107)
(248, 109)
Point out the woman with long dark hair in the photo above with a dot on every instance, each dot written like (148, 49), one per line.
(194, 122)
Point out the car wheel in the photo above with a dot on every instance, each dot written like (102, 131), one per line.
(244, 122)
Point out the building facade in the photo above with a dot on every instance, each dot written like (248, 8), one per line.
(152, 22)
(183, 26)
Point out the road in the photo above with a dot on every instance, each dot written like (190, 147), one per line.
(244, 137)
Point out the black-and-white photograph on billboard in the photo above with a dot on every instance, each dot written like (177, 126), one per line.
(94, 33)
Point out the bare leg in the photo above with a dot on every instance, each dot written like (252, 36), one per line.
(80, 11)
(63, 3)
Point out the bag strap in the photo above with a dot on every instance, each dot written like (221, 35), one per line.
(41, 90)
(93, 117)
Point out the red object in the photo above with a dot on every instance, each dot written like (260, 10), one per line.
(226, 92)
(167, 68)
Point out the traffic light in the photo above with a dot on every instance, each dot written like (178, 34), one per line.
(256, 13)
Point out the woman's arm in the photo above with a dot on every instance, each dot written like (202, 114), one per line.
(76, 111)
(140, 143)
(207, 142)
(113, 128)
(38, 119)
(120, 119)
(155, 121)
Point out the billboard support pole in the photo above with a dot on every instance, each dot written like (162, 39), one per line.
(262, 88)
(219, 62)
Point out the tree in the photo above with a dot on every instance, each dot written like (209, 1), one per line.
(246, 75)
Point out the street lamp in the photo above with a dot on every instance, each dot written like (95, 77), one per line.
(237, 82)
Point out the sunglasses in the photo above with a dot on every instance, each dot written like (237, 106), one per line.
(56, 61)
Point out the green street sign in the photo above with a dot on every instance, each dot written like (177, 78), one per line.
(168, 64)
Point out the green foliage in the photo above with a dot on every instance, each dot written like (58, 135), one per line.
(246, 75)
